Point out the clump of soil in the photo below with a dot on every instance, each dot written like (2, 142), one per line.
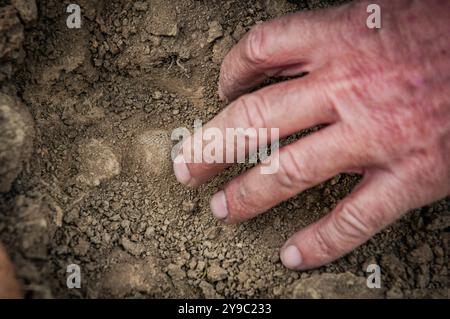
(98, 190)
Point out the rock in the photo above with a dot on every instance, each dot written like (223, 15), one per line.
(140, 6)
(134, 249)
(175, 272)
(149, 154)
(27, 9)
(149, 232)
(97, 163)
(161, 18)
(208, 290)
(11, 33)
(74, 114)
(439, 223)
(129, 276)
(213, 232)
(238, 32)
(82, 247)
(16, 139)
(201, 265)
(393, 266)
(395, 292)
(330, 286)
(189, 206)
(421, 255)
(423, 277)
(215, 31)
(216, 273)
(243, 277)
(58, 216)
(221, 48)
(72, 216)
(157, 95)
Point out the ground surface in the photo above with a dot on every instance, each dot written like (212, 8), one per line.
(98, 190)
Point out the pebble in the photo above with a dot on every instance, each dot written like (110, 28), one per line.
(215, 31)
(134, 249)
(216, 273)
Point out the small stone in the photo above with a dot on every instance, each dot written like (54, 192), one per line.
(149, 232)
(175, 272)
(140, 6)
(421, 255)
(192, 274)
(201, 265)
(72, 216)
(208, 290)
(189, 206)
(98, 163)
(393, 265)
(216, 273)
(82, 247)
(213, 232)
(221, 48)
(215, 31)
(161, 20)
(58, 216)
(27, 9)
(395, 293)
(242, 277)
(238, 32)
(157, 95)
(131, 247)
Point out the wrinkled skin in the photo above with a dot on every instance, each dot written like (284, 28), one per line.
(384, 98)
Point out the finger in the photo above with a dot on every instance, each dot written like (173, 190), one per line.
(289, 45)
(288, 106)
(376, 202)
(9, 287)
(301, 165)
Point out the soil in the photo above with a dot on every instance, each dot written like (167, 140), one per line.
(86, 116)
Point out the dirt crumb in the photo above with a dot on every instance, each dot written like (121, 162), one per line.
(97, 163)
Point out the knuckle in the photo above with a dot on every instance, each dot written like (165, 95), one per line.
(252, 108)
(240, 202)
(292, 173)
(326, 245)
(349, 224)
(254, 49)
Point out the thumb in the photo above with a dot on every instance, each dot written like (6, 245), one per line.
(375, 203)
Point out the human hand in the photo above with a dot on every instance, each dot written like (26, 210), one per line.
(9, 287)
(383, 95)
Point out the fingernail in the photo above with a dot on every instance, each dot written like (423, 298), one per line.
(181, 170)
(219, 205)
(291, 257)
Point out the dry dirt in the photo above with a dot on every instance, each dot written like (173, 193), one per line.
(85, 120)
